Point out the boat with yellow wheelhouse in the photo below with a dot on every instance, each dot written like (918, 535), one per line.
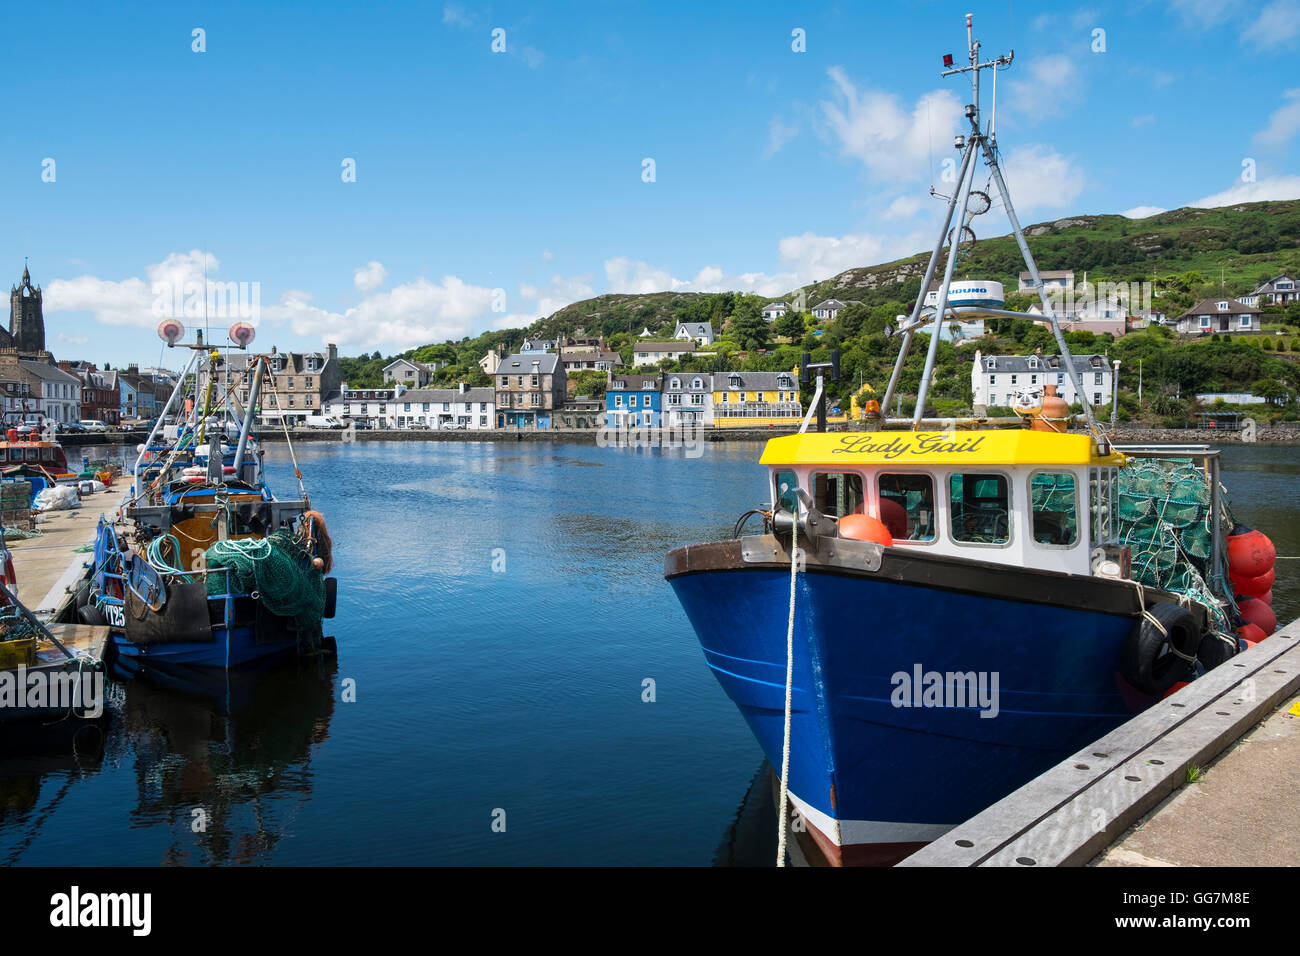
(937, 611)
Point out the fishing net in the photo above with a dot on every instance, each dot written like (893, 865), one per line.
(279, 569)
(1165, 520)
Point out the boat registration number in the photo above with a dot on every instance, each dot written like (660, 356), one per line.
(115, 616)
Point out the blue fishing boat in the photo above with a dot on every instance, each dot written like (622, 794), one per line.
(203, 566)
(936, 611)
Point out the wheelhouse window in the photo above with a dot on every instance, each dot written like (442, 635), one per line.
(907, 506)
(786, 490)
(1054, 505)
(837, 495)
(980, 507)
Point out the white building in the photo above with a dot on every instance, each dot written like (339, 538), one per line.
(60, 391)
(652, 353)
(995, 378)
(473, 409)
(1277, 291)
(1217, 316)
(828, 309)
(699, 332)
(774, 310)
(687, 399)
(1054, 280)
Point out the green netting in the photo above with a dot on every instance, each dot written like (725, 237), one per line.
(1055, 513)
(1164, 519)
(278, 569)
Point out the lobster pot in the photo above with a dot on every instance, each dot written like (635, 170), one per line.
(1056, 493)
(1153, 549)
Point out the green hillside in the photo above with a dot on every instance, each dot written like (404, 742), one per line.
(1188, 254)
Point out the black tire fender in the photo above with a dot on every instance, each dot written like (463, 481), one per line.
(1214, 650)
(1161, 650)
(90, 614)
(331, 596)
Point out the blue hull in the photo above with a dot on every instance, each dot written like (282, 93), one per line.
(903, 774)
(241, 650)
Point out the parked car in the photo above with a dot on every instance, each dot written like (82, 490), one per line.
(68, 428)
(453, 426)
(93, 425)
(362, 424)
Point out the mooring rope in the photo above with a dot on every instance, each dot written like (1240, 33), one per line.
(789, 683)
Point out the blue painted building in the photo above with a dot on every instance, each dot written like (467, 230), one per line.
(632, 401)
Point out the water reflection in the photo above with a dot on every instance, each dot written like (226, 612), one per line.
(225, 764)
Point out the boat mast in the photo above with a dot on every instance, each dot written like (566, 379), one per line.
(986, 144)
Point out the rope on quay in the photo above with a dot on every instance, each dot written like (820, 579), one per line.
(789, 682)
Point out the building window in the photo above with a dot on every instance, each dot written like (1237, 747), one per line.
(1096, 379)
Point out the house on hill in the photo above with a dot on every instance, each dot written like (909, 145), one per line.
(1216, 316)
(1054, 280)
(774, 310)
(701, 332)
(1280, 290)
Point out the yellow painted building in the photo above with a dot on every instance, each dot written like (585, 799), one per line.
(756, 399)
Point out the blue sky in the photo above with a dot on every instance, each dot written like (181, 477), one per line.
(493, 187)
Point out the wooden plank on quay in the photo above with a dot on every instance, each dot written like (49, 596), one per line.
(1070, 813)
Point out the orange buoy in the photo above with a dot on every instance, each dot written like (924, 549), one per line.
(1254, 587)
(1251, 634)
(1256, 612)
(865, 528)
(1250, 553)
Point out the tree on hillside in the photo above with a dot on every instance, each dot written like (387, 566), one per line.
(791, 325)
(748, 327)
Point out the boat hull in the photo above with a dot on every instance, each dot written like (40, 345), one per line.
(920, 694)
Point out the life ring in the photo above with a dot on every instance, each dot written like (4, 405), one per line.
(1161, 650)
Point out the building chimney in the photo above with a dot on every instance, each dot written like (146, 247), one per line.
(464, 387)
(333, 352)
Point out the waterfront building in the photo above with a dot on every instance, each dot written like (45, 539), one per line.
(462, 407)
(101, 398)
(996, 378)
(368, 407)
(530, 387)
(632, 401)
(295, 385)
(687, 399)
(755, 399)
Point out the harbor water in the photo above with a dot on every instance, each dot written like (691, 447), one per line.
(515, 682)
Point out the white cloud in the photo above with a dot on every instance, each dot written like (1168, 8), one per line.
(1041, 178)
(455, 14)
(369, 277)
(1274, 187)
(779, 132)
(556, 294)
(410, 314)
(132, 301)
(880, 132)
(1283, 124)
(904, 207)
(1048, 86)
(634, 276)
(1277, 25)
(1204, 13)
(1142, 212)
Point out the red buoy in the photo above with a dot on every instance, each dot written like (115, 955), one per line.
(894, 517)
(865, 528)
(1254, 587)
(1267, 597)
(1250, 634)
(1250, 554)
(1256, 612)
(1175, 689)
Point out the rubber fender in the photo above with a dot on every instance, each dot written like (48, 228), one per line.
(331, 596)
(1148, 660)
